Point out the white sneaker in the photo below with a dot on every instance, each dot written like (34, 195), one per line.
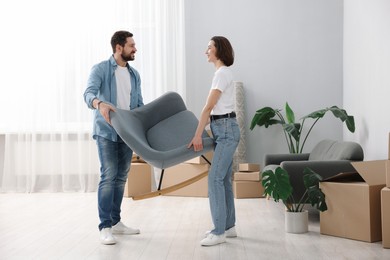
(230, 233)
(121, 229)
(106, 237)
(212, 240)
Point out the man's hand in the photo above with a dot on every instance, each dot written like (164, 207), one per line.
(104, 110)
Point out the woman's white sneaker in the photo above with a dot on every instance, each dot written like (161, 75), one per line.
(106, 237)
(212, 240)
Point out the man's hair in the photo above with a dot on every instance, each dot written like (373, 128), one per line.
(120, 37)
(225, 50)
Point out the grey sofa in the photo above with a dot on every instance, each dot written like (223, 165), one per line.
(327, 158)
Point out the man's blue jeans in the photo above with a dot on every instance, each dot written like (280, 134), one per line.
(115, 159)
(227, 135)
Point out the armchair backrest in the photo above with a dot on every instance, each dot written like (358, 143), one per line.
(336, 150)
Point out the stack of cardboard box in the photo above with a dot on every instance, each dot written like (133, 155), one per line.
(354, 203)
(247, 181)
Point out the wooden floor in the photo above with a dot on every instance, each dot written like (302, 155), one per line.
(64, 226)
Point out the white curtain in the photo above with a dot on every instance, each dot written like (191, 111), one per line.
(47, 51)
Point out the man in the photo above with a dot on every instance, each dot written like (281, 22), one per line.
(113, 84)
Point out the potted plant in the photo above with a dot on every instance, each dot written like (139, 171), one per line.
(293, 131)
(277, 185)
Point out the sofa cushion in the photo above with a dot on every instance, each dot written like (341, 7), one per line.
(335, 150)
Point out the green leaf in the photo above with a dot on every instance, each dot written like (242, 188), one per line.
(339, 113)
(272, 122)
(293, 130)
(263, 117)
(317, 199)
(315, 196)
(344, 117)
(289, 114)
(350, 124)
(316, 114)
(311, 178)
(277, 184)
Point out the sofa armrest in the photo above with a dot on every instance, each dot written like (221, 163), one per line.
(278, 158)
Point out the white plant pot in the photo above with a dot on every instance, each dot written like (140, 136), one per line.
(297, 222)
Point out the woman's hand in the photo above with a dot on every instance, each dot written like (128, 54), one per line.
(197, 143)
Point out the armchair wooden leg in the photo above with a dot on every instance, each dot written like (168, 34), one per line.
(172, 188)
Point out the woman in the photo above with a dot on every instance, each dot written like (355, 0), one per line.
(219, 110)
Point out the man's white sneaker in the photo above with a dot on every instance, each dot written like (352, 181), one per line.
(121, 229)
(230, 233)
(106, 237)
(212, 240)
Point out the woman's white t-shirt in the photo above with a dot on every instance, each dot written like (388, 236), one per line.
(223, 81)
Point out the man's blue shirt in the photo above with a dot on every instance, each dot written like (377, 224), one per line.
(102, 85)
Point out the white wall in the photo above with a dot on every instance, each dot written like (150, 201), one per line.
(367, 73)
(286, 50)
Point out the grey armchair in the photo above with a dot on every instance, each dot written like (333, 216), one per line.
(159, 132)
(327, 158)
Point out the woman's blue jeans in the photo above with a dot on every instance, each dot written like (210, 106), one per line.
(115, 159)
(226, 135)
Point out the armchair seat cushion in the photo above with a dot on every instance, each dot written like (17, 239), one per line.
(171, 132)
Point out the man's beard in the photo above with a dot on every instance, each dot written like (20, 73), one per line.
(129, 57)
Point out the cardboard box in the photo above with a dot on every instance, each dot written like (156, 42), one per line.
(200, 160)
(353, 201)
(248, 189)
(248, 167)
(385, 208)
(139, 180)
(247, 176)
(184, 171)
